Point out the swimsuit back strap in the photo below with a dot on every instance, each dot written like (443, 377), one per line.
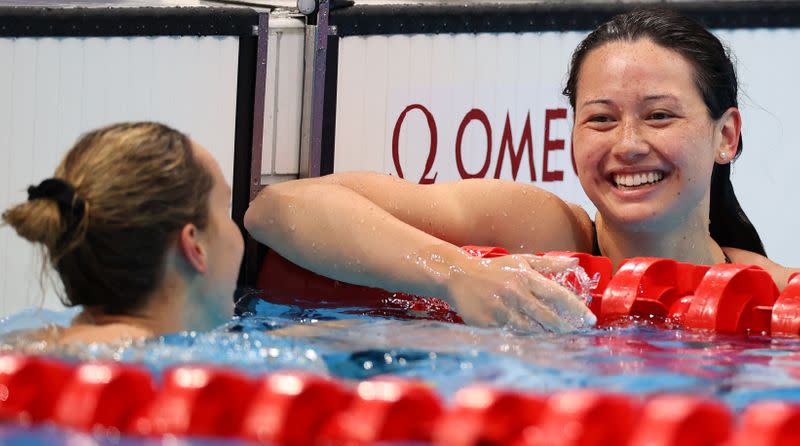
(595, 243)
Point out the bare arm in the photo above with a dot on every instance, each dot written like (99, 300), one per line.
(376, 230)
(358, 226)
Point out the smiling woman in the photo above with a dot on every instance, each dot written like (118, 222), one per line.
(656, 126)
(659, 82)
(645, 146)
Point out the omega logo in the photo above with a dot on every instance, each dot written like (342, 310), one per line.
(478, 117)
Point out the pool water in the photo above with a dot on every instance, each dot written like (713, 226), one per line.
(638, 358)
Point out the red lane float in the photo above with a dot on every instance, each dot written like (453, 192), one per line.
(103, 396)
(30, 387)
(196, 401)
(733, 298)
(727, 298)
(291, 408)
(482, 416)
(281, 281)
(645, 286)
(385, 410)
(786, 311)
(583, 418)
(678, 420)
(769, 423)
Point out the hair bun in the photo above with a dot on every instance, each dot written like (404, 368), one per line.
(71, 206)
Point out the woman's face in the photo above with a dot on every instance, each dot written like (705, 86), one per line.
(224, 242)
(643, 138)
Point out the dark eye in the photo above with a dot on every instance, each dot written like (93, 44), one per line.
(659, 115)
(600, 119)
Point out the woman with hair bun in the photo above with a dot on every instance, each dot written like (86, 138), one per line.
(656, 126)
(136, 222)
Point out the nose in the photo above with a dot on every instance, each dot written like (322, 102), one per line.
(630, 144)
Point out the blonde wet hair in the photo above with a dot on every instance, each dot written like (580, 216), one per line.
(137, 185)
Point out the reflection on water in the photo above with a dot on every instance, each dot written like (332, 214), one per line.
(638, 359)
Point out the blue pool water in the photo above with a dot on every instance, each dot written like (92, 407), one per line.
(636, 359)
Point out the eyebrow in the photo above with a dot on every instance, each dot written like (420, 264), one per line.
(597, 101)
(658, 97)
(655, 97)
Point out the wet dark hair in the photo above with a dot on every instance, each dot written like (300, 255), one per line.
(715, 78)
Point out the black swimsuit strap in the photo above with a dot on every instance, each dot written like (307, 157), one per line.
(727, 259)
(595, 243)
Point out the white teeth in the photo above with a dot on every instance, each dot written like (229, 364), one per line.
(637, 179)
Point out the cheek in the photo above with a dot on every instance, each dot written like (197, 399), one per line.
(236, 241)
(586, 157)
(229, 244)
(586, 162)
(239, 240)
(694, 156)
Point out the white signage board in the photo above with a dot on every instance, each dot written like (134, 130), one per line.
(436, 108)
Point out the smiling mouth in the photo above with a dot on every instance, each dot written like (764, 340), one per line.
(628, 181)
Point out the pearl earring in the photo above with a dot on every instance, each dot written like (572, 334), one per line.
(723, 155)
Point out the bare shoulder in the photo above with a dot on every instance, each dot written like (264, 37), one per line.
(584, 225)
(524, 218)
(778, 272)
(105, 334)
(19, 340)
(73, 339)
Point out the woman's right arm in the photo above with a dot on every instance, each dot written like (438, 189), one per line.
(376, 230)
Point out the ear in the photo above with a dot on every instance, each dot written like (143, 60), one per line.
(192, 248)
(729, 126)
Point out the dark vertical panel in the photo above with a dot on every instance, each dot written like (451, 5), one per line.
(328, 143)
(242, 157)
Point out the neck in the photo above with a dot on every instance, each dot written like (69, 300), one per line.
(689, 242)
(163, 313)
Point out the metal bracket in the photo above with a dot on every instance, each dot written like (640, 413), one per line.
(314, 93)
(259, 105)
